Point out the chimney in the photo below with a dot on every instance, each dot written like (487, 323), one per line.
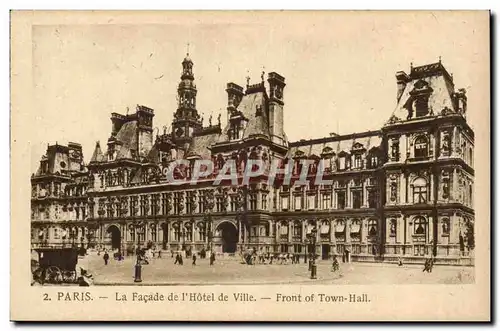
(402, 79)
(234, 96)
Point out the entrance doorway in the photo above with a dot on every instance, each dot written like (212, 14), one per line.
(229, 234)
(325, 252)
(116, 237)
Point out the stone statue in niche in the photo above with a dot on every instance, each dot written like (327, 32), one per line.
(394, 187)
(446, 226)
(393, 228)
(446, 143)
(446, 188)
(395, 150)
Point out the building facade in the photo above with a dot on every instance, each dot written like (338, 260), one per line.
(403, 190)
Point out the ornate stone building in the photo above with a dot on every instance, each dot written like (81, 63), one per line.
(403, 190)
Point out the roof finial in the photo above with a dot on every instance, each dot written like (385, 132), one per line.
(411, 65)
(187, 49)
(439, 58)
(263, 73)
(248, 78)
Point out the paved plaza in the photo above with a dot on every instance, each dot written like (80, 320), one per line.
(230, 270)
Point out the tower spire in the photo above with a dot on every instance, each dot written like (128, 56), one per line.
(187, 119)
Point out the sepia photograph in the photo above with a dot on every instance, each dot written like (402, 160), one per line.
(254, 151)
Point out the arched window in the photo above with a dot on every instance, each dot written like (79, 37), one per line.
(188, 231)
(297, 229)
(420, 225)
(421, 146)
(284, 229)
(419, 190)
(372, 227)
(177, 232)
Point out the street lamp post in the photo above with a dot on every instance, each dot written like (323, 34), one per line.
(313, 258)
(139, 227)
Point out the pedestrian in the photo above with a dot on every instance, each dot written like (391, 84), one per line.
(106, 258)
(194, 259)
(426, 265)
(172, 251)
(177, 259)
(212, 258)
(335, 264)
(181, 260)
(159, 254)
(400, 261)
(431, 264)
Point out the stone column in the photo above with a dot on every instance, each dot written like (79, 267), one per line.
(362, 225)
(303, 234)
(347, 231)
(290, 238)
(454, 142)
(170, 232)
(430, 225)
(333, 240)
(409, 230)
(277, 231)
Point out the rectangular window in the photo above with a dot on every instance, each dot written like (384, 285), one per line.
(218, 204)
(253, 201)
(201, 202)
(372, 199)
(133, 206)
(264, 201)
(356, 199)
(342, 163)
(164, 200)
(189, 202)
(143, 205)
(298, 202)
(327, 201)
(234, 203)
(177, 202)
(341, 200)
(284, 203)
(358, 162)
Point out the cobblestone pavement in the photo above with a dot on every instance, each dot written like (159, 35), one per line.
(232, 271)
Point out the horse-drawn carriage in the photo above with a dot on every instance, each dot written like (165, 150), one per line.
(55, 265)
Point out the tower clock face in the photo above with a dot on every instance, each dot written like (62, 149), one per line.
(179, 132)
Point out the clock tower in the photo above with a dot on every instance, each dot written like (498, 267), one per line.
(186, 118)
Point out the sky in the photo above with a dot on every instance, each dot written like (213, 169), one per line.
(339, 68)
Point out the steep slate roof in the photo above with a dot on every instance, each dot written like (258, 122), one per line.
(438, 79)
(200, 145)
(248, 108)
(97, 156)
(127, 137)
(316, 147)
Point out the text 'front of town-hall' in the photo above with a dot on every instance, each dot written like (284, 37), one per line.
(403, 191)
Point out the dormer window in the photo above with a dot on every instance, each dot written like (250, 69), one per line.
(235, 132)
(421, 106)
(419, 101)
(342, 163)
(358, 161)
